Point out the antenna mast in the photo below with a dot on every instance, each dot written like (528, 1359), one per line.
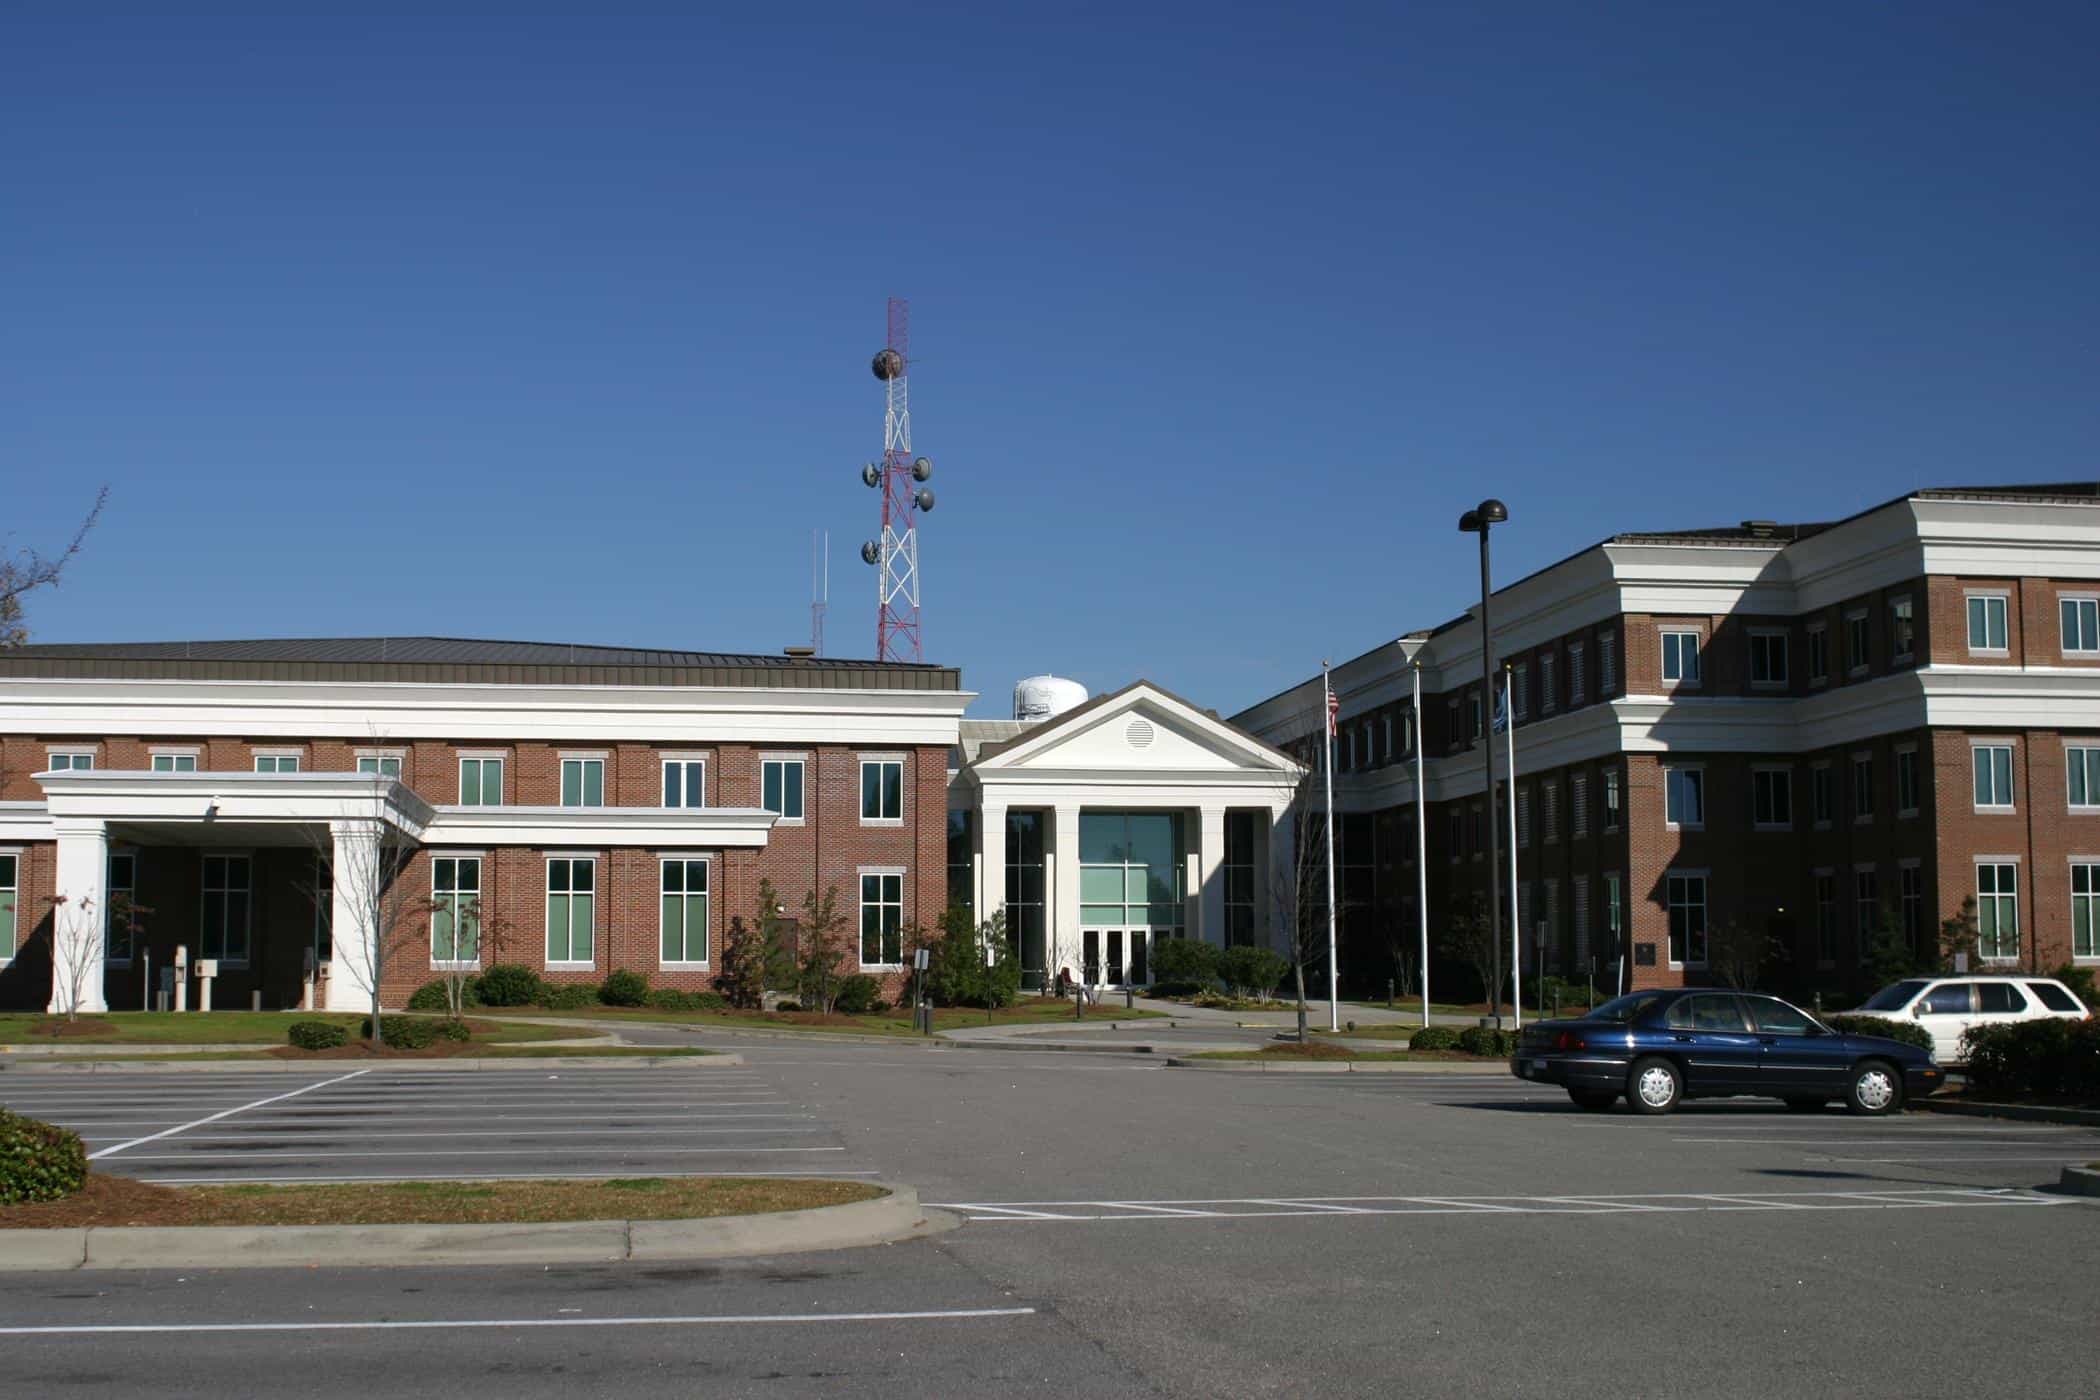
(819, 587)
(900, 477)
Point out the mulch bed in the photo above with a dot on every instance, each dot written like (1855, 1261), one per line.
(116, 1200)
(366, 1050)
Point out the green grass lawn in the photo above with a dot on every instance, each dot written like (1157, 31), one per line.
(1446, 1008)
(199, 1028)
(894, 1022)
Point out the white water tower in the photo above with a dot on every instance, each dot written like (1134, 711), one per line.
(1040, 697)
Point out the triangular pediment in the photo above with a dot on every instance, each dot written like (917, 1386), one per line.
(1139, 729)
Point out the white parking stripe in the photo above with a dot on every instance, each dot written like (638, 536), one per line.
(228, 1113)
(625, 1173)
(364, 1135)
(638, 1150)
(745, 1320)
(1024, 1212)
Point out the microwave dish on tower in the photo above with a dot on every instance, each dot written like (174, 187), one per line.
(895, 552)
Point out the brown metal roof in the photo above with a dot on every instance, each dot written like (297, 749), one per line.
(460, 660)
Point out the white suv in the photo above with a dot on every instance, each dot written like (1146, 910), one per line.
(1947, 1006)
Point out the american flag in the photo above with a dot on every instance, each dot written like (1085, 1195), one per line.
(1334, 711)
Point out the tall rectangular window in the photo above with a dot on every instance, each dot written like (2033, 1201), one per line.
(1822, 787)
(1826, 918)
(1684, 796)
(583, 782)
(1687, 897)
(2082, 770)
(1772, 797)
(120, 927)
(1520, 690)
(682, 933)
(1549, 793)
(277, 763)
(1549, 685)
(1858, 643)
(1575, 650)
(1612, 799)
(1906, 782)
(962, 861)
(1998, 909)
(1987, 630)
(1903, 630)
(882, 790)
(1818, 638)
(1768, 658)
(2085, 911)
(1524, 815)
(1612, 917)
(1866, 906)
(1862, 787)
(1680, 657)
(780, 783)
(1607, 666)
(685, 782)
(324, 908)
(455, 916)
(1579, 805)
(481, 782)
(1992, 764)
(2081, 626)
(174, 763)
(572, 897)
(881, 920)
(10, 896)
(385, 764)
(223, 927)
(1910, 904)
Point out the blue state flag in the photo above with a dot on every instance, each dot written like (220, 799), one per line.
(1502, 708)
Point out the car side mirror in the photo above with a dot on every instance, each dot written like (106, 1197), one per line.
(1917, 1013)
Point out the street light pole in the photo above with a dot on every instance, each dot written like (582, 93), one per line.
(1479, 521)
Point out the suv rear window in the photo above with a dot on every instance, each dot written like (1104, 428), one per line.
(2054, 997)
(1999, 996)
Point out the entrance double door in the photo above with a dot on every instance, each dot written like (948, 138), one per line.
(1116, 957)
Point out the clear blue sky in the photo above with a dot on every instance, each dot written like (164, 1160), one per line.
(557, 327)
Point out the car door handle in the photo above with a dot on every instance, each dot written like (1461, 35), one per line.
(1682, 1039)
(1768, 1040)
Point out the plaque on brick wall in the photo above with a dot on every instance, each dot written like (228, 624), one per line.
(1644, 955)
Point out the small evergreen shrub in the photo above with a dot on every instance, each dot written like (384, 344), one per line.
(449, 1029)
(1486, 1040)
(858, 995)
(2042, 1059)
(567, 996)
(789, 1006)
(39, 1161)
(1252, 970)
(509, 984)
(429, 997)
(670, 999)
(404, 1032)
(1434, 1038)
(1185, 960)
(624, 988)
(317, 1035)
(1909, 1032)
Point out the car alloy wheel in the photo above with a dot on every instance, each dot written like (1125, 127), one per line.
(1875, 1090)
(1656, 1087)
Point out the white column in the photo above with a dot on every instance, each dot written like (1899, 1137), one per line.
(1210, 875)
(354, 864)
(1279, 871)
(991, 860)
(1062, 881)
(77, 924)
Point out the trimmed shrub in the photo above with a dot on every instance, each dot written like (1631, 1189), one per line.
(1909, 1032)
(1434, 1038)
(670, 999)
(39, 1161)
(858, 995)
(431, 996)
(509, 984)
(404, 1032)
(1255, 971)
(1486, 1040)
(567, 996)
(2043, 1059)
(317, 1035)
(624, 988)
(1185, 960)
(788, 1006)
(878, 1006)
(449, 1029)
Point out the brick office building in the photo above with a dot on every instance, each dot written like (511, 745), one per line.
(600, 808)
(1815, 732)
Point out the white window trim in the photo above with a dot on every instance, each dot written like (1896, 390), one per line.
(547, 892)
(1808, 650)
(667, 759)
(401, 754)
(298, 756)
(1698, 651)
(859, 904)
(1785, 770)
(1901, 600)
(1786, 659)
(1976, 885)
(1705, 875)
(1700, 769)
(2067, 653)
(604, 761)
(108, 900)
(2090, 805)
(1996, 809)
(862, 774)
(438, 964)
(247, 854)
(2078, 959)
(193, 752)
(87, 751)
(1857, 667)
(480, 756)
(2003, 595)
(707, 859)
(21, 854)
(1903, 812)
(801, 758)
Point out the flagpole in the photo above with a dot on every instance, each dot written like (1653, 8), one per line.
(1421, 844)
(1516, 932)
(1334, 1016)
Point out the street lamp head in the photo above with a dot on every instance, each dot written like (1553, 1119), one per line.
(1492, 511)
(1470, 522)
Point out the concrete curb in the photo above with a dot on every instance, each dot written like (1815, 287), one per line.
(1104, 1048)
(719, 1059)
(2025, 1112)
(92, 1049)
(2081, 1181)
(888, 1219)
(1335, 1067)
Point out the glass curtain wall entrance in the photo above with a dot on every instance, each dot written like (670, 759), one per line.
(1131, 892)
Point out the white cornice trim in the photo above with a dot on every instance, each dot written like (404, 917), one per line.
(687, 827)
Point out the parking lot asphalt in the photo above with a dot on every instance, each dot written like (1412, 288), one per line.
(1135, 1229)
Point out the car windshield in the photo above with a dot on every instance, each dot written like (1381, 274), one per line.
(1894, 997)
(1624, 1010)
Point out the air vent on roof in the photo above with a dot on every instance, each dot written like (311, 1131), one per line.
(1761, 529)
(1139, 733)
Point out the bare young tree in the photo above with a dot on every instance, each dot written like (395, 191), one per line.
(25, 570)
(1471, 937)
(823, 948)
(76, 950)
(392, 919)
(1297, 874)
(1739, 954)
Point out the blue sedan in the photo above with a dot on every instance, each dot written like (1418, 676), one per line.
(1656, 1049)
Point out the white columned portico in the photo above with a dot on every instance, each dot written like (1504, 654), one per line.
(1210, 875)
(77, 924)
(1061, 854)
(1279, 879)
(354, 865)
(991, 859)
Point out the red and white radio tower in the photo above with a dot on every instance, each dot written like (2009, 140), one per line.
(901, 478)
